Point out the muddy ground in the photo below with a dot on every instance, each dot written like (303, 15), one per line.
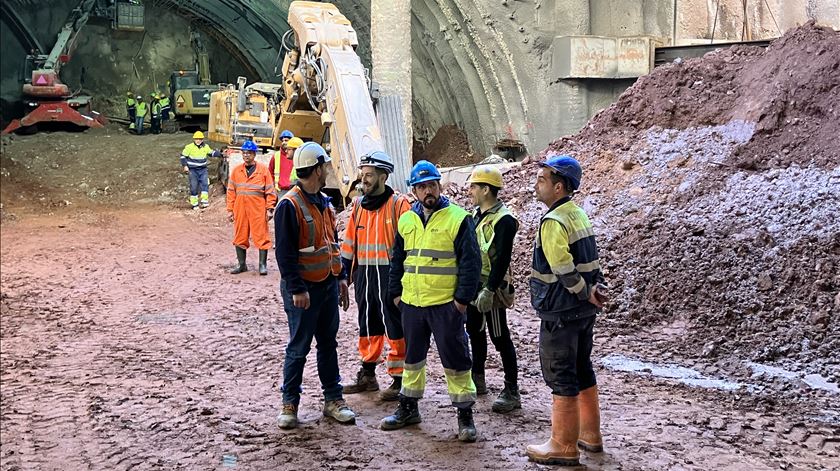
(127, 345)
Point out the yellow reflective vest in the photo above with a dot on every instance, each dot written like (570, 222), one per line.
(141, 109)
(431, 269)
(485, 231)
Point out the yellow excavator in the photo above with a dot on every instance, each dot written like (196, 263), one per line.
(325, 96)
(190, 90)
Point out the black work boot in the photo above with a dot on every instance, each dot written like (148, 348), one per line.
(240, 256)
(466, 425)
(407, 413)
(365, 381)
(508, 400)
(263, 257)
(480, 384)
(392, 393)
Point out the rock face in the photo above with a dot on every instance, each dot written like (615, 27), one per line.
(702, 215)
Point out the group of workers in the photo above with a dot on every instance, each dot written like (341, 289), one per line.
(423, 267)
(157, 109)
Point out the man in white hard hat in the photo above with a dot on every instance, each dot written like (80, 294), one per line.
(313, 284)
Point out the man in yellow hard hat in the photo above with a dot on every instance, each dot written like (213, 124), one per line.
(131, 107)
(495, 228)
(194, 162)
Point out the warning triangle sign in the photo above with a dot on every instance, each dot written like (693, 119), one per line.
(41, 80)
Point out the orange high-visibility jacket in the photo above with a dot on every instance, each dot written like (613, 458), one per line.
(318, 254)
(249, 197)
(369, 236)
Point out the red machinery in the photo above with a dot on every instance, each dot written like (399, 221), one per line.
(49, 100)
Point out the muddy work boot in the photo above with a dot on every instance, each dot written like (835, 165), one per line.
(508, 400)
(466, 425)
(288, 418)
(561, 447)
(365, 381)
(392, 393)
(263, 257)
(240, 257)
(590, 438)
(407, 413)
(340, 411)
(480, 384)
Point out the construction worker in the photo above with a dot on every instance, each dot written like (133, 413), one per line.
(250, 205)
(495, 227)
(293, 144)
(435, 274)
(165, 107)
(156, 111)
(131, 108)
(194, 162)
(564, 283)
(365, 252)
(141, 111)
(281, 165)
(313, 284)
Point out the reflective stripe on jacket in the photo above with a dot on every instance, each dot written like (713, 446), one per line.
(431, 269)
(369, 236)
(565, 264)
(194, 156)
(318, 254)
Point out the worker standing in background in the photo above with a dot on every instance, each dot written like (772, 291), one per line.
(156, 109)
(365, 253)
(141, 111)
(165, 107)
(313, 284)
(495, 227)
(435, 274)
(194, 162)
(565, 280)
(250, 205)
(281, 164)
(131, 108)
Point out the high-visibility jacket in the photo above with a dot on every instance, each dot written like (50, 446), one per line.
(318, 252)
(194, 156)
(485, 232)
(281, 167)
(156, 108)
(369, 235)
(130, 103)
(249, 197)
(431, 269)
(164, 102)
(565, 264)
(141, 109)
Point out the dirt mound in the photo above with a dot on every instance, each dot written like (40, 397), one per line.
(714, 186)
(449, 148)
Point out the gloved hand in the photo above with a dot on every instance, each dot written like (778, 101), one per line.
(484, 301)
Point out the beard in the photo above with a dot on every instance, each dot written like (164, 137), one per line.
(372, 189)
(430, 201)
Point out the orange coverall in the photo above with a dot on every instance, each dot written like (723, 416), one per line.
(249, 198)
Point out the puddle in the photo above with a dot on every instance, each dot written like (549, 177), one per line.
(814, 381)
(678, 373)
(229, 461)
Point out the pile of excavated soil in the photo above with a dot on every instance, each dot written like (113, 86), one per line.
(449, 148)
(714, 187)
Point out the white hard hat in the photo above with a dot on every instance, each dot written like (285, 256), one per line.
(310, 154)
(377, 159)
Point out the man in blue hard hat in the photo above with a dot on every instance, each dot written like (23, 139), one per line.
(565, 280)
(435, 273)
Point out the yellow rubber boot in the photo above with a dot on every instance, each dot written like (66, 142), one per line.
(561, 449)
(590, 438)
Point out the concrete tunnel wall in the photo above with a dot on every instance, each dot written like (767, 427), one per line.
(484, 65)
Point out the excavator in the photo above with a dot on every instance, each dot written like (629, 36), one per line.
(46, 97)
(324, 96)
(190, 90)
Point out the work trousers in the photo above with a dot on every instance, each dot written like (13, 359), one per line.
(446, 323)
(155, 128)
(199, 181)
(320, 322)
(132, 114)
(138, 124)
(565, 350)
(379, 319)
(493, 322)
(164, 113)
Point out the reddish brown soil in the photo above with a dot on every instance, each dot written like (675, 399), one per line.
(449, 148)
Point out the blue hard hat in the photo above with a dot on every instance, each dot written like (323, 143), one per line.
(249, 145)
(423, 171)
(286, 134)
(566, 167)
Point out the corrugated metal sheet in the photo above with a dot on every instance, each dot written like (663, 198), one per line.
(389, 114)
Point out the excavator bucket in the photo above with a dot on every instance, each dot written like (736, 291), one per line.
(56, 112)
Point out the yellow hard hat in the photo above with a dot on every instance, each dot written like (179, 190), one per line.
(294, 143)
(487, 174)
(129, 94)
(198, 135)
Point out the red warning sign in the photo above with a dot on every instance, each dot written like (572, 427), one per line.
(41, 80)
